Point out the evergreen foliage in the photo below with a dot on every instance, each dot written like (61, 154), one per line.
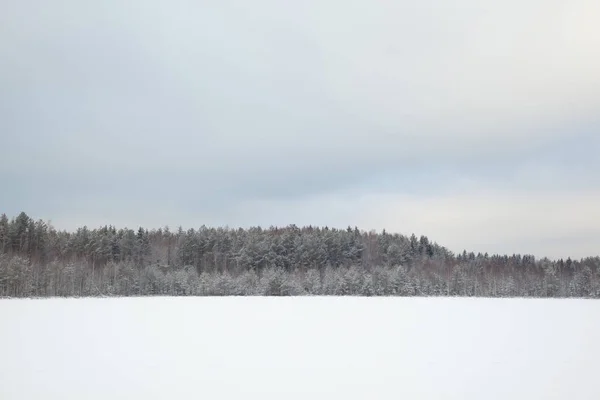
(38, 260)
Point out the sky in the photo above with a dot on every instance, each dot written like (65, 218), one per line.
(475, 122)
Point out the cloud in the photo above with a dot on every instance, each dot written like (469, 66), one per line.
(177, 113)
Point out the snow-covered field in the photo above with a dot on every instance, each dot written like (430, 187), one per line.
(299, 348)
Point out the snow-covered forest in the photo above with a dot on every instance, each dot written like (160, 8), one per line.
(37, 260)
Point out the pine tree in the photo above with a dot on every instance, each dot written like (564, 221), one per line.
(4, 238)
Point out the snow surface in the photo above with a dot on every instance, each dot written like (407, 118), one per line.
(299, 348)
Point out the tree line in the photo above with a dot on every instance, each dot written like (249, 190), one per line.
(37, 260)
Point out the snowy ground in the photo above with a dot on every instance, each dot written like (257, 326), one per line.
(299, 348)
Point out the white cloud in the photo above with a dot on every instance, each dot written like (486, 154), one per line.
(479, 63)
(131, 111)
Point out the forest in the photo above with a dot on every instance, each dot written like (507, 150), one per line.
(37, 260)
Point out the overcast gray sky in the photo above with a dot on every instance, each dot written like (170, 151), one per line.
(474, 122)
